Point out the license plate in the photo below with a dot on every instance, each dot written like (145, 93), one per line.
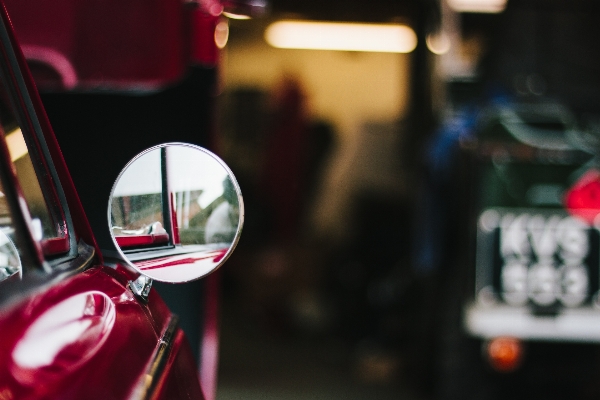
(544, 258)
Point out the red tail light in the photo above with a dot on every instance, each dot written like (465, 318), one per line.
(583, 198)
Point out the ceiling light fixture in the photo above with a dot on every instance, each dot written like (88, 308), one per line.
(478, 6)
(387, 38)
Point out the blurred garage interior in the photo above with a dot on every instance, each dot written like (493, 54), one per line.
(358, 207)
(337, 287)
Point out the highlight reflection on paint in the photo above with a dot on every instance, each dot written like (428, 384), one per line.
(63, 337)
(184, 267)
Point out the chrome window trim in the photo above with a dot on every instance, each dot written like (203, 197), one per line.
(147, 385)
(37, 282)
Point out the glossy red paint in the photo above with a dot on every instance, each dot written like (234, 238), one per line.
(55, 246)
(186, 259)
(183, 267)
(141, 240)
(583, 198)
(87, 338)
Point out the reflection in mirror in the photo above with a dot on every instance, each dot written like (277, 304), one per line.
(176, 212)
(10, 262)
(206, 205)
(137, 206)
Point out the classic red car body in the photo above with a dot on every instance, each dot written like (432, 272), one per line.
(88, 337)
(79, 332)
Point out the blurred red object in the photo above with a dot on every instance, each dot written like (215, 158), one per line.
(111, 44)
(505, 353)
(583, 198)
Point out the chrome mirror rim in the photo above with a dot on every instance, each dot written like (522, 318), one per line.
(238, 193)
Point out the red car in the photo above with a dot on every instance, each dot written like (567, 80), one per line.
(77, 324)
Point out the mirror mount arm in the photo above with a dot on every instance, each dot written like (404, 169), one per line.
(141, 287)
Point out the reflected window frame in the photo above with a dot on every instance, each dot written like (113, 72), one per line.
(134, 243)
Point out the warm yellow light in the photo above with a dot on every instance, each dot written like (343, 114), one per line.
(478, 6)
(221, 34)
(235, 16)
(16, 144)
(438, 43)
(388, 38)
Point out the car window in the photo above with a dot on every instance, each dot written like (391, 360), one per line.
(48, 224)
(138, 205)
(206, 205)
(45, 226)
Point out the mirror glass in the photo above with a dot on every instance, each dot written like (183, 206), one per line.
(10, 263)
(175, 212)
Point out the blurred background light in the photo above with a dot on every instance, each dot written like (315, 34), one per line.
(388, 38)
(221, 34)
(438, 43)
(505, 353)
(478, 6)
(16, 144)
(236, 16)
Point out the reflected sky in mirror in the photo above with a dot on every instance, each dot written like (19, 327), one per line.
(188, 172)
(141, 177)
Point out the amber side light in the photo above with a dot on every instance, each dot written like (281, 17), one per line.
(505, 353)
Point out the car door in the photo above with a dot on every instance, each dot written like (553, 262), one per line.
(71, 326)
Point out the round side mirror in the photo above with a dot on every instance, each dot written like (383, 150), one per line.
(175, 212)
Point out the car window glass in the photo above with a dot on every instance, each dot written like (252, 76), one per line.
(44, 225)
(137, 206)
(206, 204)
